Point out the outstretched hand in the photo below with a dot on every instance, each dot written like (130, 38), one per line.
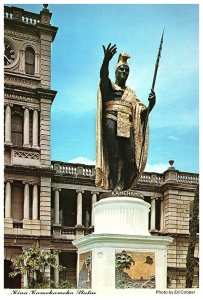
(152, 97)
(109, 51)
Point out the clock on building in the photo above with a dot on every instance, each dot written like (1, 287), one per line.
(9, 54)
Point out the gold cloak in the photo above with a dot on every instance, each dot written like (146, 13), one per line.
(102, 168)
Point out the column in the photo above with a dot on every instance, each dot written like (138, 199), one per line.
(153, 216)
(37, 64)
(94, 200)
(162, 216)
(79, 207)
(35, 129)
(25, 280)
(8, 124)
(35, 202)
(8, 199)
(22, 62)
(56, 273)
(26, 201)
(26, 128)
(56, 206)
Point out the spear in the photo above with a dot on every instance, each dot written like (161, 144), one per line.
(157, 62)
(152, 89)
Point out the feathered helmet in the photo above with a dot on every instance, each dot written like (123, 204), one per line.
(122, 60)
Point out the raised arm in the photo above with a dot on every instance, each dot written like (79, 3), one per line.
(108, 54)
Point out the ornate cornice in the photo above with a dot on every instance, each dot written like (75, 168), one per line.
(20, 97)
(19, 89)
(152, 187)
(26, 31)
(73, 180)
(22, 81)
(176, 234)
(45, 93)
(28, 94)
(178, 186)
(47, 29)
(29, 170)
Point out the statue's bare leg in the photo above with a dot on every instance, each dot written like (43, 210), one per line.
(128, 158)
(112, 148)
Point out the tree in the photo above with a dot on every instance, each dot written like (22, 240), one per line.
(190, 260)
(33, 263)
(123, 260)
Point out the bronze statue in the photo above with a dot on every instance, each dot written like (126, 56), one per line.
(122, 127)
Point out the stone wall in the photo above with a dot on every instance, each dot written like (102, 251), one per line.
(45, 205)
(177, 253)
(45, 105)
(176, 211)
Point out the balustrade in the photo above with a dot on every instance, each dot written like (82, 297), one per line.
(21, 15)
(87, 171)
(17, 224)
(68, 230)
(78, 170)
(145, 177)
(188, 178)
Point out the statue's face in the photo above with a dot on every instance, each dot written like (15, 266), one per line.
(122, 73)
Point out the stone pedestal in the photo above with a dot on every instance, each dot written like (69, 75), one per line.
(121, 256)
(121, 215)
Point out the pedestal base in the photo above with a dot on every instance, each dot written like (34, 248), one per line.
(121, 254)
(100, 255)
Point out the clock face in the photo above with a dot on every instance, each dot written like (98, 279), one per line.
(9, 54)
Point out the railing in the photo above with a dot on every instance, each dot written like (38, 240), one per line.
(81, 170)
(68, 169)
(187, 178)
(30, 19)
(71, 231)
(151, 178)
(8, 15)
(68, 230)
(17, 224)
(87, 171)
(14, 13)
(145, 177)
(76, 170)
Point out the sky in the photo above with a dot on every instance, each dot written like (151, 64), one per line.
(77, 56)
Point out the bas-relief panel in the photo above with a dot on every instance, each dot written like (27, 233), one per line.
(134, 269)
(85, 270)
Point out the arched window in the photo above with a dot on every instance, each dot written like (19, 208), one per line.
(29, 61)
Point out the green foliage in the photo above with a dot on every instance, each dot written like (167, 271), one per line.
(65, 284)
(123, 260)
(33, 262)
(169, 280)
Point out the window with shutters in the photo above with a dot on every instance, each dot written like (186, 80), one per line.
(17, 127)
(29, 61)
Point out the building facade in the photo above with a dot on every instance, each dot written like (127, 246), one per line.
(51, 202)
